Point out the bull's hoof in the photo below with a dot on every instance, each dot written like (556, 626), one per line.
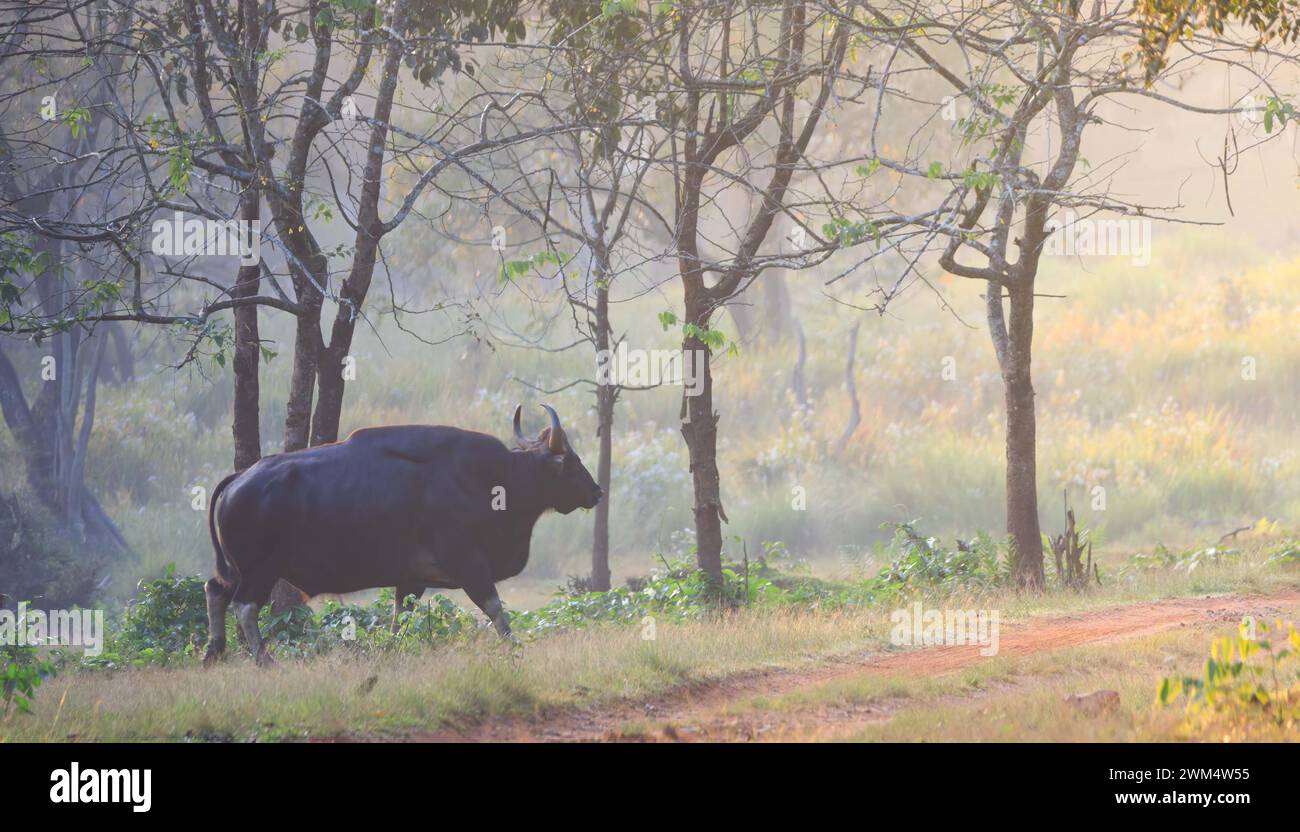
(214, 655)
(264, 658)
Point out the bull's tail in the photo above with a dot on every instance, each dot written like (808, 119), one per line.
(227, 574)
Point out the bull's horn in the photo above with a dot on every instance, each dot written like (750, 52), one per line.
(558, 443)
(519, 434)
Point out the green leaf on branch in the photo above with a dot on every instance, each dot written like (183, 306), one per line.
(981, 180)
(77, 118)
(847, 232)
(1277, 110)
(512, 269)
(708, 336)
(868, 169)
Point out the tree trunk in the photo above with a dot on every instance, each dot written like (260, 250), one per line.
(329, 408)
(246, 422)
(302, 384)
(700, 430)
(25, 425)
(606, 397)
(329, 404)
(297, 421)
(600, 576)
(1022, 474)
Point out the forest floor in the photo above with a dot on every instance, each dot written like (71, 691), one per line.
(1070, 661)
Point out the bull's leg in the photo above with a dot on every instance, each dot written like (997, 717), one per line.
(218, 602)
(399, 602)
(246, 614)
(485, 598)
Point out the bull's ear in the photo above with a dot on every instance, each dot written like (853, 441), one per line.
(544, 439)
(556, 441)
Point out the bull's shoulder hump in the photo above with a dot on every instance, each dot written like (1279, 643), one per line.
(423, 442)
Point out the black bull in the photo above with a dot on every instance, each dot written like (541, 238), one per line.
(410, 507)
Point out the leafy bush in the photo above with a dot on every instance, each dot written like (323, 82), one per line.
(22, 670)
(1246, 680)
(1284, 553)
(300, 632)
(1192, 559)
(679, 592)
(170, 614)
(1188, 561)
(437, 618)
(167, 620)
(925, 565)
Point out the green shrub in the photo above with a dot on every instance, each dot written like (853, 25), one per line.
(1246, 680)
(1186, 561)
(679, 592)
(22, 670)
(302, 632)
(167, 620)
(922, 563)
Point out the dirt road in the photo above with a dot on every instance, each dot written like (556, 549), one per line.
(702, 712)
